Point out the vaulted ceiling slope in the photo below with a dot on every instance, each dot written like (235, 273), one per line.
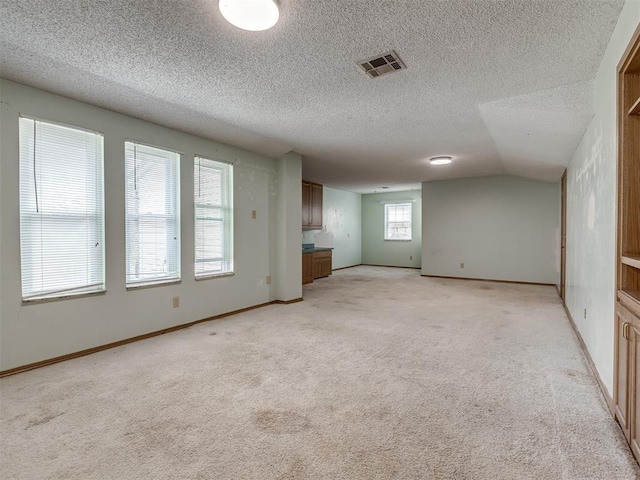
(502, 85)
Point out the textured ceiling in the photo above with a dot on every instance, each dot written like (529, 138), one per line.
(505, 86)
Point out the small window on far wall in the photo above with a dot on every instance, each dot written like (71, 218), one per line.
(213, 202)
(61, 210)
(397, 221)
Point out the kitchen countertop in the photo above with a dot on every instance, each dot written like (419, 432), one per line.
(316, 249)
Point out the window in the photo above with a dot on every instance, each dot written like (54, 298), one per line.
(213, 200)
(61, 210)
(397, 221)
(152, 215)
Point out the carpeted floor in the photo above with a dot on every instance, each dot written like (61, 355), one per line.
(378, 374)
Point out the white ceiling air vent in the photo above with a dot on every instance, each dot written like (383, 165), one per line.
(382, 64)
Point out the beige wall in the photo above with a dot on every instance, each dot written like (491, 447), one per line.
(40, 331)
(591, 209)
(378, 251)
(289, 267)
(341, 227)
(500, 227)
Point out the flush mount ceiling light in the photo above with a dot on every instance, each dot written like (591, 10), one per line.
(253, 15)
(443, 160)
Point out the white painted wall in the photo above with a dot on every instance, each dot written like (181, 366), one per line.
(378, 251)
(40, 331)
(591, 209)
(500, 227)
(341, 227)
(289, 266)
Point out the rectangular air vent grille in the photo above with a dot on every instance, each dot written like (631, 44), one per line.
(387, 62)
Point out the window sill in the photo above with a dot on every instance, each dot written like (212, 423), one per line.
(398, 240)
(57, 298)
(161, 283)
(214, 275)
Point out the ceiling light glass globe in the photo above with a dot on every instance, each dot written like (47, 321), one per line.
(253, 15)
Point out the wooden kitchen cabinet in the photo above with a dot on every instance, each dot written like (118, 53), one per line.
(316, 264)
(322, 264)
(307, 268)
(311, 205)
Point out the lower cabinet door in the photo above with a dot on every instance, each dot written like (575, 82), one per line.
(623, 365)
(634, 397)
(317, 268)
(627, 395)
(326, 266)
(307, 268)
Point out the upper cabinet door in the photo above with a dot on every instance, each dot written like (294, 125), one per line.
(316, 206)
(311, 205)
(306, 204)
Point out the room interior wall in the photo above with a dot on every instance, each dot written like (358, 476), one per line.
(558, 240)
(39, 331)
(591, 209)
(500, 227)
(341, 227)
(378, 251)
(289, 265)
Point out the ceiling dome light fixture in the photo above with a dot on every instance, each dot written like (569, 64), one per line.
(442, 160)
(253, 15)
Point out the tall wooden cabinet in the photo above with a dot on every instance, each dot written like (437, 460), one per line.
(627, 318)
(311, 205)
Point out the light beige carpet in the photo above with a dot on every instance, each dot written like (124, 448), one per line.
(378, 374)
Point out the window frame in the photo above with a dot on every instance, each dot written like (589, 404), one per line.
(227, 218)
(387, 237)
(26, 219)
(174, 184)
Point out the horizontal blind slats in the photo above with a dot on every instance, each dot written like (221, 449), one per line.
(61, 209)
(152, 214)
(213, 202)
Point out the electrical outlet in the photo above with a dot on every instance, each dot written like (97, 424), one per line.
(176, 302)
(254, 214)
(585, 313)
(462, 265)
(268, 280)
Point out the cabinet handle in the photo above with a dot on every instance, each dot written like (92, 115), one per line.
(625, 330)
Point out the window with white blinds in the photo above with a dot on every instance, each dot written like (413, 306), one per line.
(61, 210)
(213, 201)
(152, 186)
(397, 221)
